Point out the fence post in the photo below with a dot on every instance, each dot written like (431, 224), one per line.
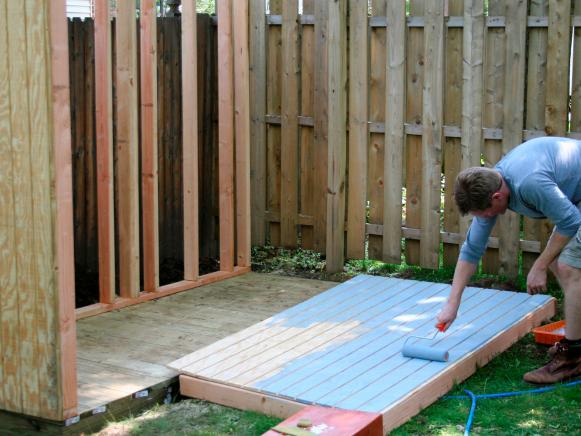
(337, 144)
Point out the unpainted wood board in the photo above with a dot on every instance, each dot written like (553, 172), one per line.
(394, 132)
(149, 174)
(308, 345)
(137, 342)
(104, 144)
(289, 125)
(308, 164)
(535, 107)
(257, 35)
(576, 78)
(376, 146)
(26, 392)
(44, 315)
(242, 132)
(513, 114)
(358, 130)
(321, 127)
(9, 376)
(331, 328)
(337, 143)
(414, 102)
(126, 76)
(303, 311)
(492, 117)
(452, 153)
(190, 140)
(432, 137)
(558, 56)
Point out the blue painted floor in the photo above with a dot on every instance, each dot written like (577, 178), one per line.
(342, 348)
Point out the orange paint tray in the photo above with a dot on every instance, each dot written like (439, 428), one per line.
(550, 333)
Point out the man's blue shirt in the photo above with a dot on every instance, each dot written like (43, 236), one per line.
(544, 179)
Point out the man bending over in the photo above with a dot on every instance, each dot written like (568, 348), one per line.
(539, 179)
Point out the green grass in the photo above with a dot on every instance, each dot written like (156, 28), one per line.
(553, 413)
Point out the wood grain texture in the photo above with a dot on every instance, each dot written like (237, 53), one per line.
(342, 348)
(104, 138)
(289, 125)
(149, 174)
(513, 114)
(63, 233)
(226, 134)
(358, 131)
(337, 144)
(376, 146)
(242, 132)
(257, 34)
(190, 140)
(127, 148)
(432, 138)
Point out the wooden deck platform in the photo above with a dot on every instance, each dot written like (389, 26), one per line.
(125, 352)
(342, 348)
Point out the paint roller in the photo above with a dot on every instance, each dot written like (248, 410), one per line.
(418, 347)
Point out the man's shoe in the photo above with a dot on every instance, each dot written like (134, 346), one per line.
(564, 365)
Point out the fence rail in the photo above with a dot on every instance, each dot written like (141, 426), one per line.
(431, 90)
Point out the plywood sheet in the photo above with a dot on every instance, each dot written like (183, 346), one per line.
(342, 348)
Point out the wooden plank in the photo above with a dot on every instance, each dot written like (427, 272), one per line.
(376, 147)
(190, 140)
(10, 397)
(63, 236)
(513, 115)
(310, 345)
(358, 371)
(576, 74)
(535, 107)
(149, 182)
(273, 106)
(394, 132)
(257, 35)
(558, 56)
(414, 104)
(226, 135)
(321, 126)
(234, 397)
(472, 102)
(337, 143)
(289, 125)
(308, 165)
(358, 131)
(44, 294)
(26, 393)
(242, 133)
(162, 291)
(494, 87)
(127, 148)
(433, 102)
(452, 151)
(394, 417)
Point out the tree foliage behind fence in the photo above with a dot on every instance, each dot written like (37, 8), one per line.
(432, 87)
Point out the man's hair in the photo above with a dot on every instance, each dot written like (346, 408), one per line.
(474, 188)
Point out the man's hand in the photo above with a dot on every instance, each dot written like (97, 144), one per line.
(447, 316)
(537, 280)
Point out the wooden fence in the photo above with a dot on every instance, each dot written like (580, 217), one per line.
(351, 160)
(169, 162)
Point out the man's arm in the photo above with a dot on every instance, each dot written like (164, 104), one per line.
(537, 277)
(464, 270)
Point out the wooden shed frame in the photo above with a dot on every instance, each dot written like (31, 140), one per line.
(38, 328)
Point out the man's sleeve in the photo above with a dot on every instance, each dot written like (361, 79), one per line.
(476, 239)
(545, 196)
